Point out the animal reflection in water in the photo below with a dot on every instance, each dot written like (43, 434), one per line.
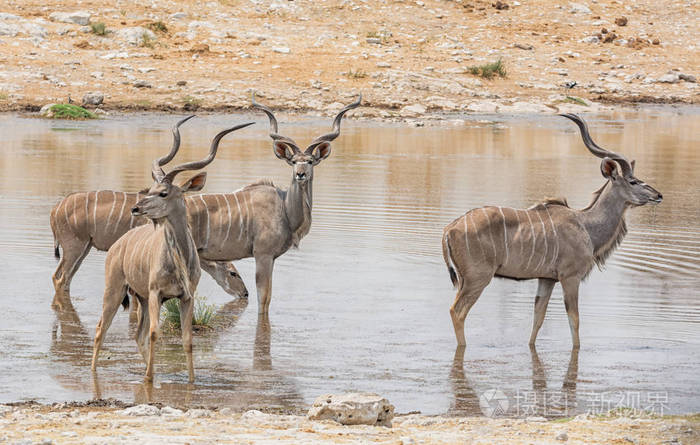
(260, 385)
(540, 401)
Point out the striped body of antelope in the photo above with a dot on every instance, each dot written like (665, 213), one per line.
(549, 241)
(157, 261)
(99, 218)
(260, 220)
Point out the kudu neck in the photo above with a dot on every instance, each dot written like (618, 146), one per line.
(176, 221)
(298, 204)
(605, 217)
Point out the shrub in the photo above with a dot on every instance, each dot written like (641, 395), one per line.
(203, 316)
(98, 28)
(489, 70)
(70, 111)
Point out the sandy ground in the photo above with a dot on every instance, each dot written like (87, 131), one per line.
(109, 424)
(409, 58)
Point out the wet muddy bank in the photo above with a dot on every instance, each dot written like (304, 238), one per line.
(96, 424)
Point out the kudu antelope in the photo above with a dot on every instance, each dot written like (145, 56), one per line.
(261, 220)
(157, 261)
(99, 218)
(549, 241)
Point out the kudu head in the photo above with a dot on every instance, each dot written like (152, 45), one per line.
(163, 197)
(618, 170)
(303, 162)
(226, 275)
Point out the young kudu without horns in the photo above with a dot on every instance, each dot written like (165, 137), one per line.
(157, 261)
(99, 218)
(261, 220)
(549, 241)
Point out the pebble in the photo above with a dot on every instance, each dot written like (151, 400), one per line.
(140, 410)
(578, 8)
(142, 84)
(95, 99)
(77, 17)
(172, 412)
(413, 110)
(563, 436)
(281, 50)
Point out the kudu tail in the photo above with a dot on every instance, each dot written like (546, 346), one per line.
(125, 301)
(447, 255)
(56, 251)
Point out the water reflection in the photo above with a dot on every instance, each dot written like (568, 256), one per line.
(540, 401)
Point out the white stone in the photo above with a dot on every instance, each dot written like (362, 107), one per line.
(178, 15)
(6, 16)
(140, 410)
(46, 110)
(171, 412)
(563, 436)
(578, 8)
(669, 78)
(77, 17)
(9, 29)
(198, 413)
(135, 35)
(353, 409)
(591, 39)
(35, 30)
(383, 65)
(483, 107)
(281, 50)
(413, 110)
(94, 99)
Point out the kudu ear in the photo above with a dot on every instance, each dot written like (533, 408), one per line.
(321, 152)
(283, 151)
(632, 165)
(144, 191)
(195, 183)
(608, 168)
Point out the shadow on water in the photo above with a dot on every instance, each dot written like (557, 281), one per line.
(260, 386)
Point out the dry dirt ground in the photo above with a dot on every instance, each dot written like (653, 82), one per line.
(407, 57)
(37, 424)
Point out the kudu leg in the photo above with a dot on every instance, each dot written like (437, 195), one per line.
(465, 299)
(544, 291)
(110, 305)
(571, 303)
(144, 324)
(74, 253)
(186, 312)
(263, 281)
(153, 313)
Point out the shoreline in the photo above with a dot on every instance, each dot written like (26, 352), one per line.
(113, 421)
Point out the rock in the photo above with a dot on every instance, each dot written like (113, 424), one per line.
(669, 78)
(524, 108)
(140, 410)
(621, 21)
(181, 83)
(199, 413)
(142, 84)
(500, 5)
(178, 15)
(6, 16)
(482, 107)
(226, 411)
(687, 77)
(413, 110)
(563, 436)
(77, 17)
(9, 29)
(353, 408)
(561, 71)
(383, 65)
(374, 40)
(171, 412)
(95, 99)
(200, 48)
(591, 39)
(46, 110)
(281, 50)
(578, 8)
(525, 46)
(256, 416)
(136, 35)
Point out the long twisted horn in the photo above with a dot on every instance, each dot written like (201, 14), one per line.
(336, 126)
(273, 126)
(157, 169)
(196, 165)
(597, 150)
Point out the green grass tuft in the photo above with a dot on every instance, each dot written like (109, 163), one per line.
(489, 70)
(203, 316)
(70, 111)
(98, 28)
(576, 100)
(158, 27)
(357, 74)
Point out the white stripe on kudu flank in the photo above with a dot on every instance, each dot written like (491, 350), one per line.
(228, 225)
(556, 238)
(522, 244)
(240, 216)
(94, 212)
(121, 212)
(114, 202)
(75, 217)
(546, 248)
(505, 234)
(87, 212)
(65, 211)
(532, 239)
(493, 243)
(466, 234)
(206, 208)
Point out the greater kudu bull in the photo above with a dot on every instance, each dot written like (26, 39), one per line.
(549, 241)
(157, 261)
(261, 220)
(99, 218)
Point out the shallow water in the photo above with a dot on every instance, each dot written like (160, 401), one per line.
(363, 304)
